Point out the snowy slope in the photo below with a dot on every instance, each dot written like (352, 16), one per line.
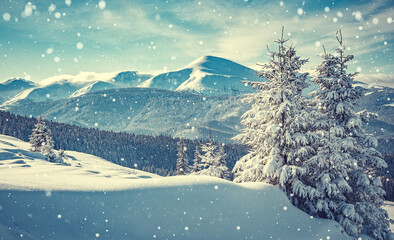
(22, 169)
(94, 199)
(207, 75)
(93, 87)
(389, 207)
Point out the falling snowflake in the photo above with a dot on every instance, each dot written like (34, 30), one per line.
(79, 45)
(358, 15)
(49, 51)
(102, 4)
(6, 16)
(51, 7)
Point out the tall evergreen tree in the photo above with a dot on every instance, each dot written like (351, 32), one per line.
(344, 169)
(196, 162)
(182, 163)
(278, 127)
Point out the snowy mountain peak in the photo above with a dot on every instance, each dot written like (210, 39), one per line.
(218, 65)
(206, 75)
(17, 82)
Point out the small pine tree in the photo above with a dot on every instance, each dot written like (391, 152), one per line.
(60, 156)
(196, 162)
(214, 162)
(221, 168)
(208, 158)
(47, 148)
(41, 140)
(344, 169)
(182, 163)
(38, 136)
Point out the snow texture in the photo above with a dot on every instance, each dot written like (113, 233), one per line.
(95, 199)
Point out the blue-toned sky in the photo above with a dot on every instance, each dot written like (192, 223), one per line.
(43, 38)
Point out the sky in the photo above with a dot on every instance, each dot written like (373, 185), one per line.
(43, 38)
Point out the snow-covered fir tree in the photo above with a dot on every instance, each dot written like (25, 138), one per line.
(208, 157)
(196, 161)
(221, 169)
(278, 127)
(47, 148)
(344, 169)
(39, 134)
(213, 162)
(41, 141)
(181, 163)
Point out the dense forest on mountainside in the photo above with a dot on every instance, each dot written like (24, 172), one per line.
(156, 154)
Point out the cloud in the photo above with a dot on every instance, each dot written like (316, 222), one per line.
(81, 77)
(150, 35)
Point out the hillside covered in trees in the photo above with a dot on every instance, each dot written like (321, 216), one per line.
(156, 154)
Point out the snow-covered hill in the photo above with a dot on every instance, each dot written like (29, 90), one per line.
(95, 199)
(207, 75)
(24, 170)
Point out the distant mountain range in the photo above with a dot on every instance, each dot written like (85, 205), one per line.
(144, 111)
(206, 75)
(183, 103)
(61, 87)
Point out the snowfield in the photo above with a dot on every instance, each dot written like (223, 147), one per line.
(96, 199)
